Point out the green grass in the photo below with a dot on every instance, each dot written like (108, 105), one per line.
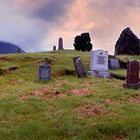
(24, 116)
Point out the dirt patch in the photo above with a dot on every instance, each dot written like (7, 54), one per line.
(119, 137)
(91, 110)
(46, 93)
(46, 60)
(135, 99)
(24, 97)
(40, 92)
(5, 59)
(107, 101)
(87, 83)
(55, 95)
(15, 82)
(43, 92)
(81, 92)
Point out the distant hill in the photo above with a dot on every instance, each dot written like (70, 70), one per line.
(6, 48)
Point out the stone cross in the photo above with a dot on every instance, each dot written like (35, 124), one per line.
(79, 67)
(132, 79)
(44, 72)
(60, 44)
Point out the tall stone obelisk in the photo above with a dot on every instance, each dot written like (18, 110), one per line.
(60, 44)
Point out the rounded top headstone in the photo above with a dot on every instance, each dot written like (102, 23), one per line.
(60, 44)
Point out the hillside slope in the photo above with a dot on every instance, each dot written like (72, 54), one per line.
(64, 107)
(7, 48)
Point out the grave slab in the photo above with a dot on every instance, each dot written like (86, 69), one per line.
(79, 67)
(132, 80)
(44, 72)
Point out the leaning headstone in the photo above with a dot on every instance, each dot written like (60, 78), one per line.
(54, 48)
(114, 63)
(132, 80)
(60, 44)
(44, 72)
(99, 63)
(79, 67)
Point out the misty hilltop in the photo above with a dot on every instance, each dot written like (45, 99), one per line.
(7, 48)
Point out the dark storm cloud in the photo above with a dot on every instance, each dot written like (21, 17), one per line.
(37, 24)
(52, 10)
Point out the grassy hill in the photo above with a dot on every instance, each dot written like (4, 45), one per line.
(65, 107)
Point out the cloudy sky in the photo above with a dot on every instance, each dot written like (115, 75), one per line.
(36, 25)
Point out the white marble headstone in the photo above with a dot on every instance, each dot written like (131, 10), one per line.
(99, 60)
(99, 63)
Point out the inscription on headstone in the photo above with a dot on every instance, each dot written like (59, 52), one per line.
(44, 72)
(79, 67)
(132, 80)
(101, 60)
(99, 63)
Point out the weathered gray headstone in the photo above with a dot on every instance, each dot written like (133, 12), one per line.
(79, 67)
(114, 63)
(99, 63)
(44, 72)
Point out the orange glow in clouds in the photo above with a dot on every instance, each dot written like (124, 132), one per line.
(104, 19)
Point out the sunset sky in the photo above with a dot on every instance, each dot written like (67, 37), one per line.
(36, 25)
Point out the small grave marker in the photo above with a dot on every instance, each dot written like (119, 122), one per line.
(114, 63)
(44, 72)
(79, 67)
(54, 48)
(132, 80)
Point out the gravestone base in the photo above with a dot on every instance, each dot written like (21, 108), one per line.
(97, 73)
(132, 86)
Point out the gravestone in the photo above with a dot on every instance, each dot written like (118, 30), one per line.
(60, 44)
(99, 63)
(114, 63)
(79, 67)
(44, 72)
(132, 79)
(54, 48)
